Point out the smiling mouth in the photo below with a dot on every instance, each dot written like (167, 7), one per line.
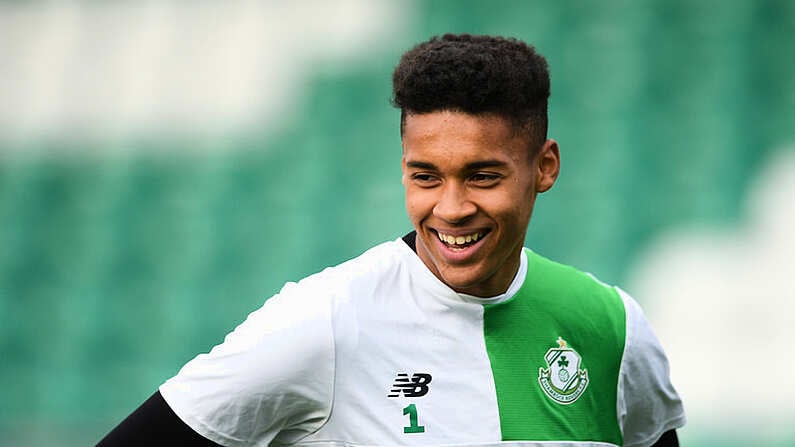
(460, 242)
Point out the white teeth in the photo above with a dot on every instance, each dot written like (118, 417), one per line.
(459, 240)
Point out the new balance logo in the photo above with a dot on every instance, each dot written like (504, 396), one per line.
(416, 386)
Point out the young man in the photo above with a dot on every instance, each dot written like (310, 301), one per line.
(454, 334)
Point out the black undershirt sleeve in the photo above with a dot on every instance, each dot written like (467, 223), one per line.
(668, 439)
(154, 423)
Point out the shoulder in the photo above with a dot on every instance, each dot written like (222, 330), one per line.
(649, 405)
(358, 274)
(556, 274)
(305, 308)
(570, 290)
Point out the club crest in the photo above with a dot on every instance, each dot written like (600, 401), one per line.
(563, 381)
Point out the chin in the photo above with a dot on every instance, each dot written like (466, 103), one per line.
(464, 283)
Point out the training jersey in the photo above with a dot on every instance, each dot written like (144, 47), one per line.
(378, 351)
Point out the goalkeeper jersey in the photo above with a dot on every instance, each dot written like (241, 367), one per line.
(378, 351)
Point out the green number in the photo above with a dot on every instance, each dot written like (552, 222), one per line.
(414, 426)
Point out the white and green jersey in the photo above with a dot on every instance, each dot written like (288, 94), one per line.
(378, 351)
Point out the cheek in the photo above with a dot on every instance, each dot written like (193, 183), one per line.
(413, 205)
(419, 204)
(515, 210)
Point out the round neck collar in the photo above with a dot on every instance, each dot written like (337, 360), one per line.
(417, 267)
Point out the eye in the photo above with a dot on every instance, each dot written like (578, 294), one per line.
(485, 179)
(424, 179)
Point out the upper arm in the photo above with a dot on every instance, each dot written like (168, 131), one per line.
(154, 424)
(271, 378)
(648, 404)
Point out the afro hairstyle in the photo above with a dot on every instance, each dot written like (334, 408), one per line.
(475, 75)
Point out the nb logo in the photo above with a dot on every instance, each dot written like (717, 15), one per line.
(416, 386)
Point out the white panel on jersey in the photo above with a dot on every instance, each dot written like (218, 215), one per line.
(410, 371)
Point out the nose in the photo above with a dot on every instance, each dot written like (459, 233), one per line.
(453, 205)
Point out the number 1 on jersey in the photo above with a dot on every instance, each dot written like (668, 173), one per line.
(414, 426)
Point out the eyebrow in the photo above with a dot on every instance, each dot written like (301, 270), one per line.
(469, 167)
(421, 165)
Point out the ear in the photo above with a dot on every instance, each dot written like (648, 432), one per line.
(547, 165)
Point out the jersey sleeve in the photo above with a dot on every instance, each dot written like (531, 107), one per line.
(270, 380)
(648, 404)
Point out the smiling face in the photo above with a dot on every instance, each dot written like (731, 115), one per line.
(471, 183)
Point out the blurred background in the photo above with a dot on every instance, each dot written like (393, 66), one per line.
(165, 166)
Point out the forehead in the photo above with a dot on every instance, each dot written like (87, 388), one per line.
(449, 133)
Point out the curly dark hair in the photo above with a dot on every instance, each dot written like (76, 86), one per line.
(475, 74)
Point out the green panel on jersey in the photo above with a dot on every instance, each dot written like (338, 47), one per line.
(557, 301)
